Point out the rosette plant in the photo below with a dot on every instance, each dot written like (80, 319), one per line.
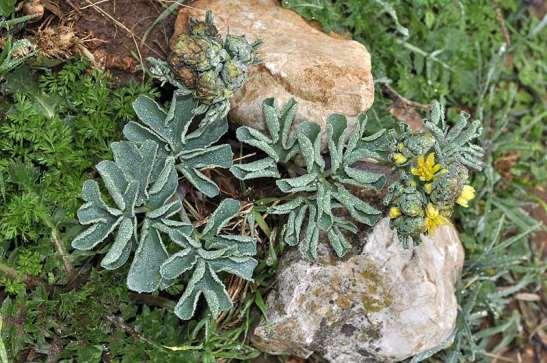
(134, 190)
(434, 168)
(204, 254)
(313, 198)
(169, 128)
(143, 211)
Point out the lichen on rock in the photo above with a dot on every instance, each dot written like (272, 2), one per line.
(385, 304)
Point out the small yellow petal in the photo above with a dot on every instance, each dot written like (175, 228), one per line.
(428, 187)
(394, 212)
(426, 168)
(467, 194)
(462, 201)
(433, 218)
(399, 158)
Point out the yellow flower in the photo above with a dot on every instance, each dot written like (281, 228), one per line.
(467, 194)
(426, 169)
(394, 212)
(428, 187)
(433, 218)
(399, 158)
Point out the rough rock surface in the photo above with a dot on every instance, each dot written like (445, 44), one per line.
(385, 304)
(322, 73)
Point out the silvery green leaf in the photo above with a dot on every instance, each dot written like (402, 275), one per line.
(200, 181)
(336, 125)
(169, 129)
(181, 235)
(437, 114)
(240, 266)
(226, 210)
(308, 245)
(121, 248)
(94, 235)
(363, 178)
(114, 180)
(206, 253)
(287, 207)
(272, 119)
(308, 134)
(144, 273)
(280, 144)
(204, 137)
(203, 281)
(95, 211)
(257, 139)
(161, 70)
(286, 119)
(239, 245)
(457, 129)
(214, 156)
(263, 168)
(192, 162)
(376, 146)
(324, 208)
(293, 228)
(356, 135)
(339, 243)
(179, 263)
(164, 186)
(361, 211)
(306, 182)
(136, 163)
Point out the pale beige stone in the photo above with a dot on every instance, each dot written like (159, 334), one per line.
(386, 304)
(324, 74)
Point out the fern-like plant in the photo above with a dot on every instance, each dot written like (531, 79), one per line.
(205, 253)
(313, 197)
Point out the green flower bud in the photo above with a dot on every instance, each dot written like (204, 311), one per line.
(210, 68)
(418, 143)
(409, 226)
(447, 187)
(411, 204)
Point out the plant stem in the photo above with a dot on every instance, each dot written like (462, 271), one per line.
(59, 246)
(58, 243)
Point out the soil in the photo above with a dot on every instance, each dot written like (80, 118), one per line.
(115, 29)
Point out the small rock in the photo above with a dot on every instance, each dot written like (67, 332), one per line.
(386, 304)
(324, 74)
